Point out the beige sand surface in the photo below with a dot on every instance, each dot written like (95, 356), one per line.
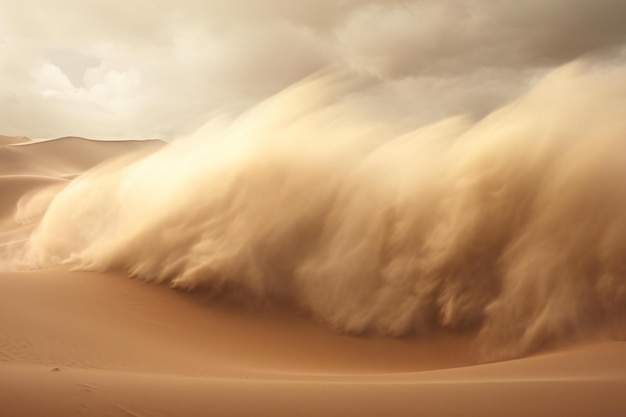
(77, 344)
(91, 344)
(10, 140)
(65, 156)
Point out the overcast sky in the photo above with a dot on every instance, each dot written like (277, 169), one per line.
(159, 68)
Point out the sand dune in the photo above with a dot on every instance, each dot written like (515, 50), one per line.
(76, 344)
(11, 140)
(65, 157)
(116, 324)
(15, 187)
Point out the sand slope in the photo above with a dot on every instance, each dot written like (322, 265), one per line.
(94, 344)
(65, 156)
(10, 140)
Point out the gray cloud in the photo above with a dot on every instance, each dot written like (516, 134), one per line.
(116, 69)
(428, 37)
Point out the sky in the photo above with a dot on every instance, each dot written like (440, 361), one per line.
(135, 69)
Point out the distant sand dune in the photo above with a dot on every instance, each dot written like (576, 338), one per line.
(10, 140)
(65, 156)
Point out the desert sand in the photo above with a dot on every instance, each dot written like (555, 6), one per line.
(101, 344)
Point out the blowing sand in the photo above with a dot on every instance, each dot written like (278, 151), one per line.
(93, 344)
(349, 292)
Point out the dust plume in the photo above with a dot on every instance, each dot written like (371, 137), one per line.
(515, 223)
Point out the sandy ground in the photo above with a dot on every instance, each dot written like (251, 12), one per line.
(90, 344)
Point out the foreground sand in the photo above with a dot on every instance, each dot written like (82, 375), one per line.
(89, 344)
(77, 344)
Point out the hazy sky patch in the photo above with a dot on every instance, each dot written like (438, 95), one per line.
(144, 69)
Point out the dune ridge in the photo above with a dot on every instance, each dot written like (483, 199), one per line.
(12, 140)
(50, 157)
